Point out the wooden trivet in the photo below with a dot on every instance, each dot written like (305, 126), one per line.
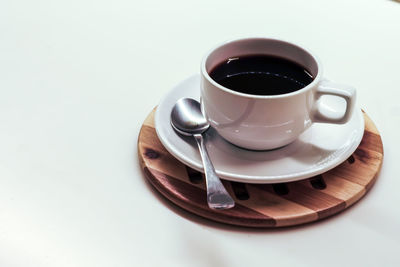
(264, 205)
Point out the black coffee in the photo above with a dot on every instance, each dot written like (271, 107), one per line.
(261, 75)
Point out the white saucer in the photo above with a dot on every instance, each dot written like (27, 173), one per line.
(319, 149)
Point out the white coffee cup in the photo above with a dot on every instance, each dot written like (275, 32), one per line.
(269, 121)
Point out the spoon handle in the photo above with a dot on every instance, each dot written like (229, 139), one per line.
(217, 196)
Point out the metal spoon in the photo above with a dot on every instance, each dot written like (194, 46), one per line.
(187, 119)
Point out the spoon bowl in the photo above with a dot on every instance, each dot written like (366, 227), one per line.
(187, 119)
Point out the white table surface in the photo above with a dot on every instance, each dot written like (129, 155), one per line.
(77, 78)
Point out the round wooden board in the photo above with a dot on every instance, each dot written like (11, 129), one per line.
(266, 205)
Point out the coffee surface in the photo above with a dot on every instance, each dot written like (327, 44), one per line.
(261, 75)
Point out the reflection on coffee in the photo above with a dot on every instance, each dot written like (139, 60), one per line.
(261, 75)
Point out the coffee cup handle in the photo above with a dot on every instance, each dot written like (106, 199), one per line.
(322, 113)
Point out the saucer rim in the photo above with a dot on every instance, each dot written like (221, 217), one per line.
(261, 179)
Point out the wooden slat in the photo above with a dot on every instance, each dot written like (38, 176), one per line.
(284, 211)
(319, 201)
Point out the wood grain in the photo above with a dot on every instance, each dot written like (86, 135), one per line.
(265, 205)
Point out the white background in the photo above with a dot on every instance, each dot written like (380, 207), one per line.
(78, 77)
